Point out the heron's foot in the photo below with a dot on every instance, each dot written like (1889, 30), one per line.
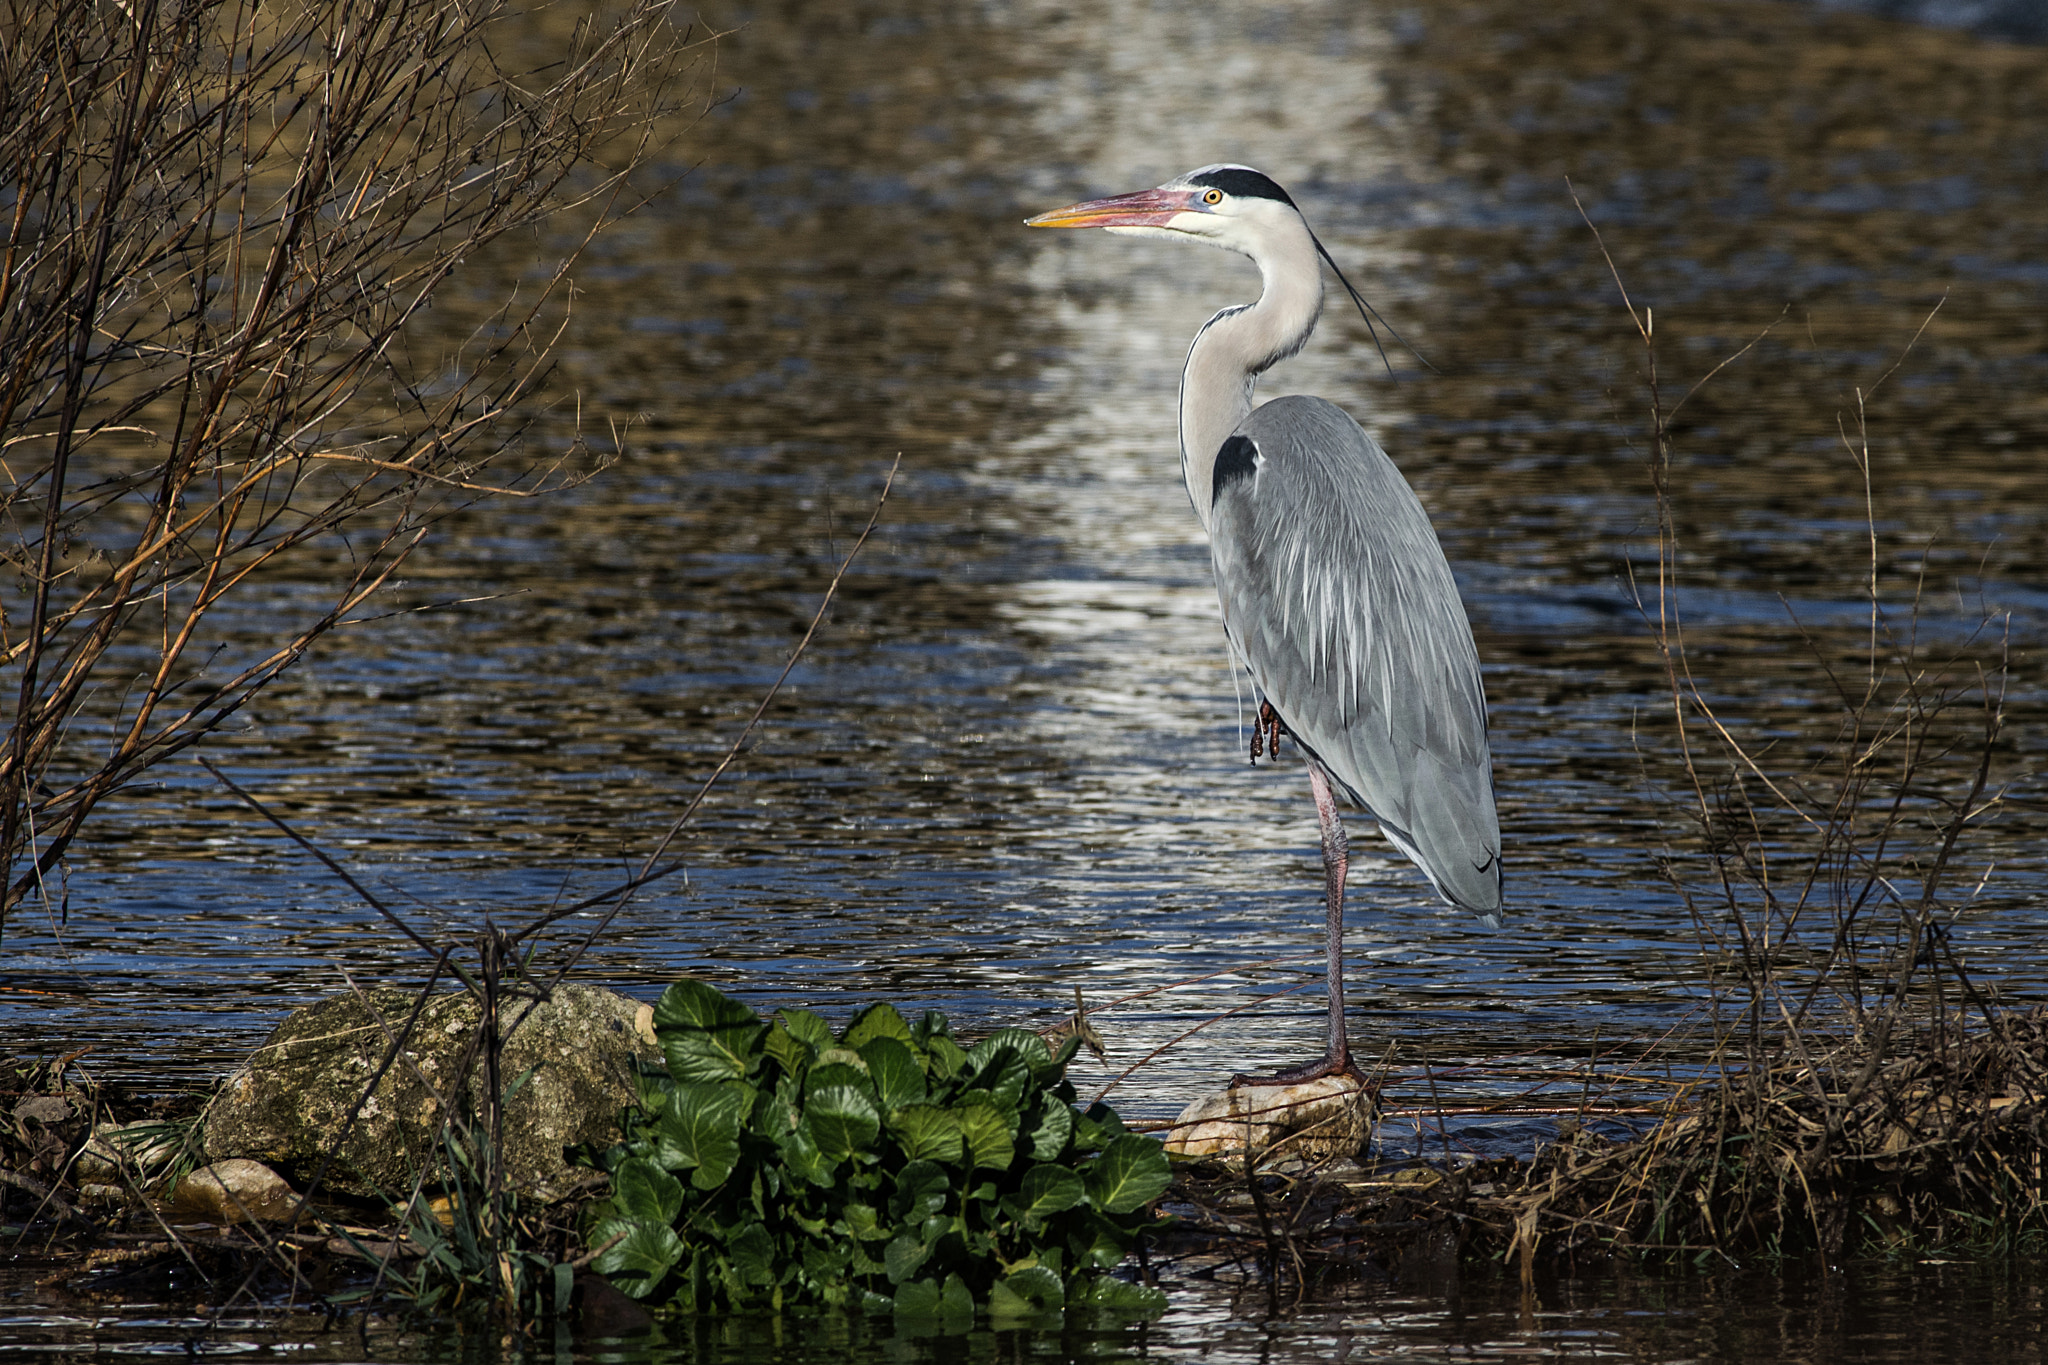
(1266, 734)
(1340, 1065)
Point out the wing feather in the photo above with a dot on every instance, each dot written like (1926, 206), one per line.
(1339, 602)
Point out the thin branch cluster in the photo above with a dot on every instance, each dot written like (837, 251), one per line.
(223, 225)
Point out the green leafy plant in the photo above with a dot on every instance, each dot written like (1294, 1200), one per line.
(888, 1168)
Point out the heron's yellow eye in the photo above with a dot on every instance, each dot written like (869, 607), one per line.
(1213, 197)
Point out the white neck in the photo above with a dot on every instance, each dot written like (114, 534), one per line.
(1238, 345)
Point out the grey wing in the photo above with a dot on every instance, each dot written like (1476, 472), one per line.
(1339, 602)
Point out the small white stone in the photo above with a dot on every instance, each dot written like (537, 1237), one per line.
(1331, 1116)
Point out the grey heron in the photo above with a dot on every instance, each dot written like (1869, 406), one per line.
(1337, 598)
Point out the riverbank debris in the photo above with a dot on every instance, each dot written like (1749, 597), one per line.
(1941, 1148)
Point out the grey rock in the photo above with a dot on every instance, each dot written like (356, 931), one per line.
(44, 1109)
(288, 1104)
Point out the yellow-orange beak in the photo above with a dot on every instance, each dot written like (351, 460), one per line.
(1146, 208)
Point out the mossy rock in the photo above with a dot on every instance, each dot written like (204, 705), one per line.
(287, 1105)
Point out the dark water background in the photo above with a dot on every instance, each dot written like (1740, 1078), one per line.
(1012, 765)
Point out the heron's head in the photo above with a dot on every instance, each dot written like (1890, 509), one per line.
(1234, 207)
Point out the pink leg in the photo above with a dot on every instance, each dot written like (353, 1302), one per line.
(1336, 864)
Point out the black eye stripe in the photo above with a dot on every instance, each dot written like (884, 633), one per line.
(1243, 182)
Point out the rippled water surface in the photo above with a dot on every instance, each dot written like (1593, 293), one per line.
(1931, 1311)
(1012, 763)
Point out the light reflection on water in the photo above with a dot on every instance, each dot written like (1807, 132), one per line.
(1013, 763)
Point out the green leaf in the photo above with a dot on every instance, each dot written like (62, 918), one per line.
(842, 1056)
(1027, 1046)
(700, 1131)
(921, 1190)
(775, 1113)
(863, 1222)
(1105, 1119)
(1097, 1128)
(947, 1058)
(650, 1086)
(980, 1096)
(696, 1004)
(792, 1053)
(801, 1155)
(565, 1288)
(1046, 1131)
(1026, 1293)
(1104, 1293)
(930, 1025)
(706, 1035)
(824, 1262)
(862, 1263)
(1096, 1243)
(638, 1264)
(1004, 1080)
(644, 1192)
(956, 1301)
(752, 1252)
(927, 1132)
(903, 1257)
(918, 1299)
(893, 1068)
(986, 1132)
(807, 1027)
(876, 1021)
(842, 1117)
(1046, 1190)
(839, 1073)
(1131, 1172)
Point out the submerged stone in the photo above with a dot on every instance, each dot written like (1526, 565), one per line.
(290, 1104)
(234, 1192)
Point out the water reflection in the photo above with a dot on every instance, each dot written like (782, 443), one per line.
(1903, 1311)
(1012, 764)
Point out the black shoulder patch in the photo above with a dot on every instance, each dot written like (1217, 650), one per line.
(1238, 459)
(1245, 183)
